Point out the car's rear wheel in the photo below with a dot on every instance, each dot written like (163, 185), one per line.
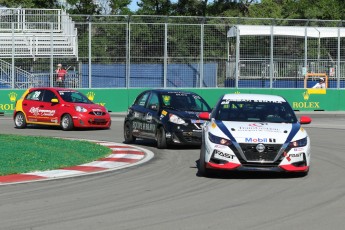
(20, 121)
(128, 133)
(161, 139)
(202, 170)
(66, 122)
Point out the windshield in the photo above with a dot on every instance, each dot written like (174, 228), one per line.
(276, 112)
(74, 97)
(184, 102)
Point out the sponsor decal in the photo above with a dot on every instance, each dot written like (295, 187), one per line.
(298, 149)
(221, 155)
(143, 126)
(164, 113)
(54, 120)
(220, 146)
(213, 125)
(259, 127)
(259, 140)
(295, 154)
(197, 121)
(42, 112)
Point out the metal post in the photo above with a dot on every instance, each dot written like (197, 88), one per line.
(338, 61)
(90, 53)
(271, 58)
(13, 53)
(165, 71)
(237, 57)
(306, 49)
(128, 53)
(51, 56)
(201, 71)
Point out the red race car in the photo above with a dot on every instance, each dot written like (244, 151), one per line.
(63, 107)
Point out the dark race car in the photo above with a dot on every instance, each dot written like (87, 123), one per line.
(167, 116)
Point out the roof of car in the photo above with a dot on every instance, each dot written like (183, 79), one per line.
(170, 91)
(54, 88)
(255, 97)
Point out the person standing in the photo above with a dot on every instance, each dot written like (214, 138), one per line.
(60, 76)
(320, 84)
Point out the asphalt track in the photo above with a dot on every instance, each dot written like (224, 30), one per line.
(165, 193)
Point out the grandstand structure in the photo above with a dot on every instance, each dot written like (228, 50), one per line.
(33, 33)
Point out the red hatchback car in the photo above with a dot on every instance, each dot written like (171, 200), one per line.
(63, 107)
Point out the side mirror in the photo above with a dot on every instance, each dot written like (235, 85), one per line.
(305, 120)
(54, 100)
(153, 107)
(204, 116)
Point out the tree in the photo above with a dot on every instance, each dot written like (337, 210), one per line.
(83, 7)
(29, 3)
(154, 7)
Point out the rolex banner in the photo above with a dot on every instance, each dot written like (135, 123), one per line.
(118, 100)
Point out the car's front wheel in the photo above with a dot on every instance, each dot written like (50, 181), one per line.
(128, 133)
(161, 139)
(202, 170)
(20, 121)
(66, 122)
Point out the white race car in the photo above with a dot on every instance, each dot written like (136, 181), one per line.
(254, 132)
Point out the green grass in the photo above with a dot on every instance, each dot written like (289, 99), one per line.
(22, 154)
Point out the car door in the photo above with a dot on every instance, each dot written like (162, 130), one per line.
(137, 114)
(32, 106)
(151, 116)
(50, 110)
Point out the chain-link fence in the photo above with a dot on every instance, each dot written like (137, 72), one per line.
(166, 52)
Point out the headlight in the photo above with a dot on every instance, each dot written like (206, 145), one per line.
(80, 109)
(176, 119)
(299, 143)
(218, 140)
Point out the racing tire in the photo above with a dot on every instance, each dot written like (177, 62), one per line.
(20, 120)
(66, 122)
(128, 133)
(202, 170)
(161, 139)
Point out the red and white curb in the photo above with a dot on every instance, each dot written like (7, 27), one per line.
(122, 156)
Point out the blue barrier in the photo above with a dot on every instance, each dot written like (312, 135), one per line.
(149, 75)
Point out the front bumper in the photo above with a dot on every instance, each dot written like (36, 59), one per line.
(178, 134)
(91, 121)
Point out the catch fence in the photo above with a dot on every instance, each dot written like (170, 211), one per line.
(167, 52)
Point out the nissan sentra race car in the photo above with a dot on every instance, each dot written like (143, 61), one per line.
(253, 132)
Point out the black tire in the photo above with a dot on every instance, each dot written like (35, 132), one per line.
(66, 122)
(128, 133)
(202, 170)
(20, 120)
(161, 139)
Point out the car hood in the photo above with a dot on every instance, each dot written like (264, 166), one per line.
(184, 114)
(252, 132)
(92, 107)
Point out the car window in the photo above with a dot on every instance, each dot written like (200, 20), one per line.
(48, 96)
(184, 101)
(141, 100)
(35, 95)
(74, 97)
(153, 102)
(255, 111)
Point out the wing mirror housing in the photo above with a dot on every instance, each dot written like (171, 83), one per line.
(305, 120)
(204, 116)
(54, 100)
